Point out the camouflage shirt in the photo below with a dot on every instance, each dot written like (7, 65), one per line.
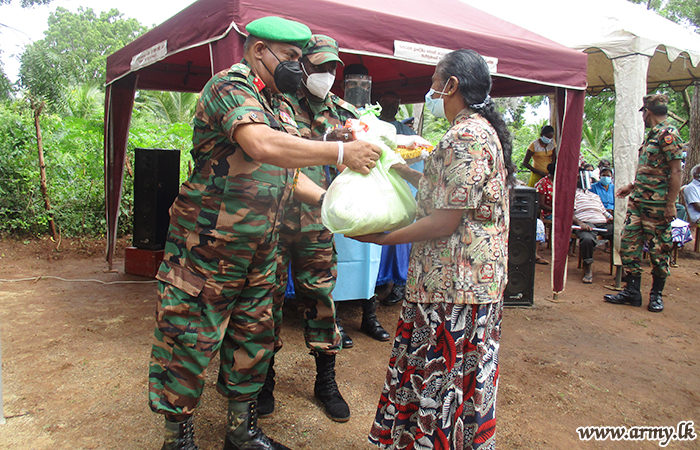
(661, 146)
(227, 184)
(313, 120)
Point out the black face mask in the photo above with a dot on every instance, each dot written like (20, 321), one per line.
(288, 75)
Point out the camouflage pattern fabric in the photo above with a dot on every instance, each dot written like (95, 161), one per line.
(663, 144)
(646, 223)
(306, 242)
(219, 269)
(314, 270)
(313, 120)
(646, 206)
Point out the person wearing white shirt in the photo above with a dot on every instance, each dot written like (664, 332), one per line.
(589, 213)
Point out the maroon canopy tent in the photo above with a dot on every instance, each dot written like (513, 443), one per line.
(398, 41)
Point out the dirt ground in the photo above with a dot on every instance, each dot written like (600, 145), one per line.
(75, 356)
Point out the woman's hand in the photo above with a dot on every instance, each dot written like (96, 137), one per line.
(374, 238)
(411, 175)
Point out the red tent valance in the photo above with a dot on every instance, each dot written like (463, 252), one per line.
(394, 39)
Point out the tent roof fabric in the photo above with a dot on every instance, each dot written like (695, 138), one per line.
(609, 29)
(399, 41)
(366, 31)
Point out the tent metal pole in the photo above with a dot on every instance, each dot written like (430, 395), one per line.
(618, 277)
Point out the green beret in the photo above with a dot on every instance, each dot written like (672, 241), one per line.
(321, 49)
(277, 29)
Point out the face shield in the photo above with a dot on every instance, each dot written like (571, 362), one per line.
(358, 90)
(585, 179)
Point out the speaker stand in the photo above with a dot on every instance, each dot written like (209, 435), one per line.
(142, 262)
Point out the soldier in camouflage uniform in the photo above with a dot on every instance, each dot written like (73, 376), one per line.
(304, 240)
(652, 207)
(219, 271)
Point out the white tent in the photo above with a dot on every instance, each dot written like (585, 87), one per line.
(630, 49)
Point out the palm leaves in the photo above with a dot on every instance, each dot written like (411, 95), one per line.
(168, 107)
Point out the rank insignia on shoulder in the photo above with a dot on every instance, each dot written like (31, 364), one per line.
(286, 118)
(258, 83)
(668, 139)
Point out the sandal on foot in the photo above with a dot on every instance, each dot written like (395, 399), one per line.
(541, 260)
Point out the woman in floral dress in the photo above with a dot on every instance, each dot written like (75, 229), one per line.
(440, 389)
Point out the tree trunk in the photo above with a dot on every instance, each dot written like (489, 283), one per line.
(38, 107)
(693, 147)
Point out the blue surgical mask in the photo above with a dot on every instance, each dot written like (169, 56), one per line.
(605, 181)
(436, 106)
(545, 139)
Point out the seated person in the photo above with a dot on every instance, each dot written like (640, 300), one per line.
(545, 188)
(605, 189)
(691, 192)
(602, 164)
(589, 213)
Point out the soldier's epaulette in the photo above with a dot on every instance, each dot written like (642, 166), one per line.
(345, 105)
(239, 72)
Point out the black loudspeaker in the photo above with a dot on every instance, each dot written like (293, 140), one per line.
(156, 184)
(520, 289)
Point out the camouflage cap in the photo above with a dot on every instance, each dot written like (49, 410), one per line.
(321, 49)
(273, 28)
(655, 100)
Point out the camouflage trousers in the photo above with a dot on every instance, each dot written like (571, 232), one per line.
(214, 296)
(646, 223)
(313, 266)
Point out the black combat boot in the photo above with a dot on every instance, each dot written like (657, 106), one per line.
(398, 291)
(266, 398)
(344, 337)
(242, 432)
(179, 435)
(656, 302)
(326, 389)
(370, 325)
(630, 295)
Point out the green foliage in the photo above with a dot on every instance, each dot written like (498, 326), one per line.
(86, 101)
(684, 12)
(166, 107)
(73, 153)
(73, 149)
(5, 84)
(598, 121)
(74, 51)
(149, 132)
(42, 75)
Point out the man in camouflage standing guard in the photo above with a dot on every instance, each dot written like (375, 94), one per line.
(304, 240)
(217, 277)
(652, 207)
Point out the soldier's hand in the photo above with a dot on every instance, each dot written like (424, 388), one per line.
(624, 191)
(360, 156)
(670, 213)
(340, 134)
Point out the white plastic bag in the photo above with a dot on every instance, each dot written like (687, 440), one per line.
(357, 204)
